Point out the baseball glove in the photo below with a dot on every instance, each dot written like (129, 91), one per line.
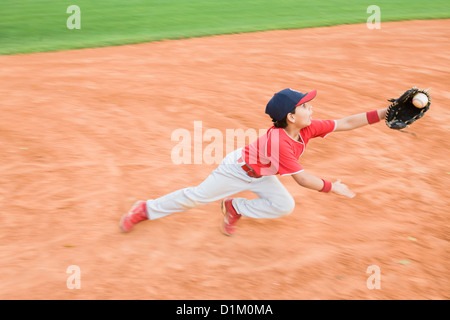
(401, 112)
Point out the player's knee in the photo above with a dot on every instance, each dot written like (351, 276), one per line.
(286, 206)
(194, 198)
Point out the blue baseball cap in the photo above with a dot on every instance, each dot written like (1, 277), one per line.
(285, 101)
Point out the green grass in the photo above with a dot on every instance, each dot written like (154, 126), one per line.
(40, 25)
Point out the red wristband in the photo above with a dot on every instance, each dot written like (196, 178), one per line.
(372, 116)
(326, 186)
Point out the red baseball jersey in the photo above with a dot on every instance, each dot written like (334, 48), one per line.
(277, 153)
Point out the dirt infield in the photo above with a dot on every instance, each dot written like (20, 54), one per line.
(85, 133)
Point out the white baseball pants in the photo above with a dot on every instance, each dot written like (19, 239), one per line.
(228, 179)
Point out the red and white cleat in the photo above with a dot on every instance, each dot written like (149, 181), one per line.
(230, 217)
(137, 213)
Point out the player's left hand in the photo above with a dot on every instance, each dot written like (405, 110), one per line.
(403, 111)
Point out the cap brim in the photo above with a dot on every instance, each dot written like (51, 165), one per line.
(308, 97)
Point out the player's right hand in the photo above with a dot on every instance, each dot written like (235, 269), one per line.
(341, 189)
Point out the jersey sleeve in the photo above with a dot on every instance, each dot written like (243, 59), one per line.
(321, 128)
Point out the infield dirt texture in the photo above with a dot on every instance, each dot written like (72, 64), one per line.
(85, 133)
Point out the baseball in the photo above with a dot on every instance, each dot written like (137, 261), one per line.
(420, 100)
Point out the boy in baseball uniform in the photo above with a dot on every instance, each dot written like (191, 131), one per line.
(255, 167)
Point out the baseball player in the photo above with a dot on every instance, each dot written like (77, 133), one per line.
(255, 167)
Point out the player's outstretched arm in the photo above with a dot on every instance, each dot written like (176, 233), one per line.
(360, 119)
(312, 182)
